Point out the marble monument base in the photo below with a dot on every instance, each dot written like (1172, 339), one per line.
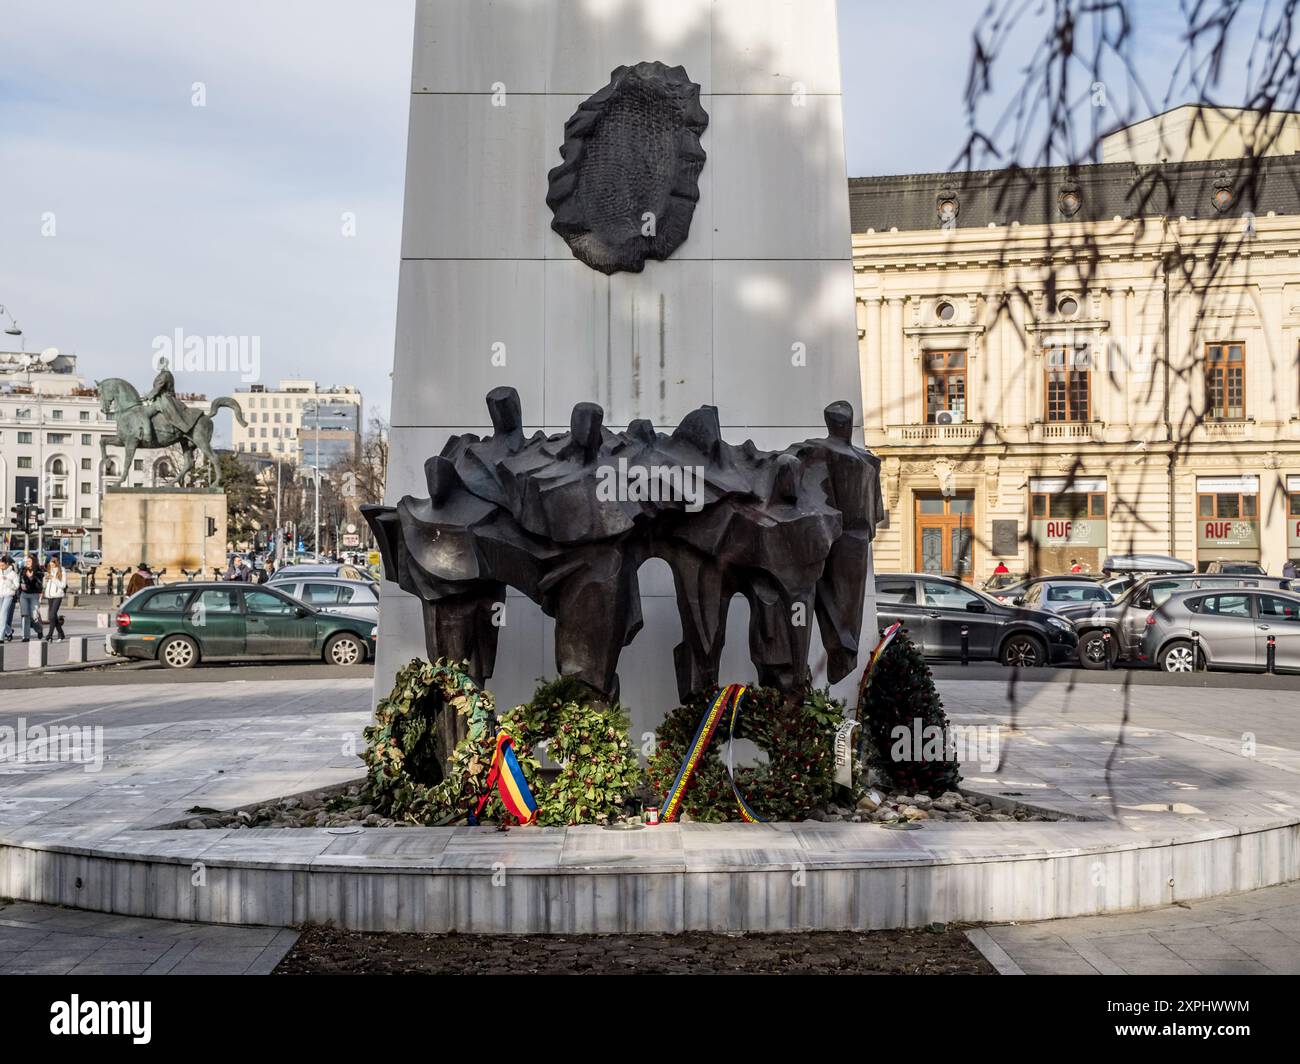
(165, 528)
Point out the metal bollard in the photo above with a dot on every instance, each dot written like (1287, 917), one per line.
(1198, 662)
(965, 644)
(1105, 641)
(1271, 660)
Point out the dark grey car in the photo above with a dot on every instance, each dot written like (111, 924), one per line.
(1227, 629)
(935, 609)
(1114, 633)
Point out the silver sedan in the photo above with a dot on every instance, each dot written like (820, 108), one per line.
(356, 598)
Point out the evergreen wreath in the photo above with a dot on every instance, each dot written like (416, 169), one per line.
(797, 737)
(899, 709)
(598, 770)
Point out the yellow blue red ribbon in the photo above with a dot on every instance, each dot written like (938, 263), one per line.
(507, 776)
(729, 697)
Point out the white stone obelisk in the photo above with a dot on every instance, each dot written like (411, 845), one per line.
(754, 313)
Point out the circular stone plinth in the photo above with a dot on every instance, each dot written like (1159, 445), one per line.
(1164, 826)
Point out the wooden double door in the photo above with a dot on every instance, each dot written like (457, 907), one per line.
(945, 534)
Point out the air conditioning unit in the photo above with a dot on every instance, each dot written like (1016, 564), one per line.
(947, 417)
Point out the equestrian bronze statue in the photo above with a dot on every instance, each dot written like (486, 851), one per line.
(160, 420)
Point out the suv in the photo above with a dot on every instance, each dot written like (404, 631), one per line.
(1125, 619)
(934, 610)
(1236, 568)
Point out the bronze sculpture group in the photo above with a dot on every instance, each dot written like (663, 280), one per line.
(790, 531)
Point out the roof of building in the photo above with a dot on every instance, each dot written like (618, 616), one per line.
(1041, 195)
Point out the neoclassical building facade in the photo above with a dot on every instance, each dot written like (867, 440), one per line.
(1062, 364)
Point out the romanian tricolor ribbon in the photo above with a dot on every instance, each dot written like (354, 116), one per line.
(508, 778)
(886, 638)
(728, 698)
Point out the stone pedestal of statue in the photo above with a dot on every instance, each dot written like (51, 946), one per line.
(165, 528)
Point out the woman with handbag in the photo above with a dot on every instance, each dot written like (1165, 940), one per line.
(56, 586)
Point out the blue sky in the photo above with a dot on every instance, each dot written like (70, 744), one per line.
(228, 218)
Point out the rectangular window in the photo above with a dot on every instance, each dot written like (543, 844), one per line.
(1069, 505)
(85, 512)
(945, 385)
(85, 439)
(83, 415)
(56, 415)
(24, 437)
(57, 437)
(1068, 384)
(58, 511)
(86, 464)
(1227, 504)
(24, 461)
(85, 487)
(138, 465)
(1225, 385)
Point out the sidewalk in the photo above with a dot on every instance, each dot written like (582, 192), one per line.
(1240, 934)
(47, 940)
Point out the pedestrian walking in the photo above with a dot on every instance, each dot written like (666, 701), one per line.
(56, 586)
(238, 571)
(8, 595)
(31, 582)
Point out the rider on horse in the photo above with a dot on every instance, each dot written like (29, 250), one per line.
(162, 398)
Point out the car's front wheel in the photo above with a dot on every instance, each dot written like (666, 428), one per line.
(344, 649)
(1178, 656)
(178, 652)
(1096, 651)
(1023, 652)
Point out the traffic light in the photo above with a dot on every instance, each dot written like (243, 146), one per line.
(20, 515)
(212, 526)
(35, 518)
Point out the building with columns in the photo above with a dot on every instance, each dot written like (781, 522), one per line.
(1069, 363)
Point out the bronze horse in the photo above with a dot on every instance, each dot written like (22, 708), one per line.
(139, 429)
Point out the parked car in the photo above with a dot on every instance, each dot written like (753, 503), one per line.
(338, 570)
(1008, 592)
(1109, 634)
(1237, 568)
(1055, 593)
(89, 559)
(359, 598)
(934, 609)
(1224, 630)
(180, 625)
(1147, 565)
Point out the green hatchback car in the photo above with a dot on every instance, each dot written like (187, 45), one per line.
(180, 625)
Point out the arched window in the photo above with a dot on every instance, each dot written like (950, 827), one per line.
(56, 467)
(110, 468)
